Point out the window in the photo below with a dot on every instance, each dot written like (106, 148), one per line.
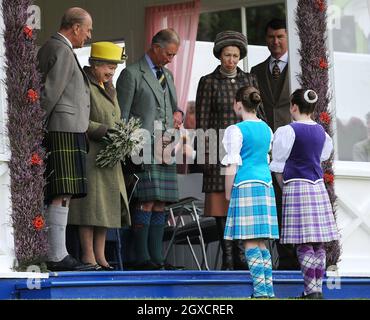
(258, 17)
(349, 24)
(211, 23)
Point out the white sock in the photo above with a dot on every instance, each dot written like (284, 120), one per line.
(56, 219)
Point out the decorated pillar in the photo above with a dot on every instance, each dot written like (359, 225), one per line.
(7, 255)
(23, 239)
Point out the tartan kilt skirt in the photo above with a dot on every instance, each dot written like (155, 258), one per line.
(307, 214)
(252, 213)
(157, 183)
(66, 164)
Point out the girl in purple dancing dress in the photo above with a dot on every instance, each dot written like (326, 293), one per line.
(308, 220)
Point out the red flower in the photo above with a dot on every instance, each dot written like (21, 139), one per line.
(36, 160)
(27, 30)
(329, 178)
(323, 63)
(38, 222)
(325, 117)
(321, 5)
(32, 95)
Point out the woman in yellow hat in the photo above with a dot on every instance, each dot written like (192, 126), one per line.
(105, 205)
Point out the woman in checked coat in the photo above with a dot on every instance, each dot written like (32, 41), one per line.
(214, 110)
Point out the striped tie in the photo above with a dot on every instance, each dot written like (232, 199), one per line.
(160, 76)
(276, 70)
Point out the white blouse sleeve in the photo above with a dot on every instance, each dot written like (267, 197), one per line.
(233, 142)
(281, 147)
(272, 138)
(328, 148)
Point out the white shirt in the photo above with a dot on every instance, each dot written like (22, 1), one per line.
(233, 142)
(283, 143)
(283, 62)
(69, 42)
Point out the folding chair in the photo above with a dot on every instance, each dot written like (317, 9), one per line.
(182, 229)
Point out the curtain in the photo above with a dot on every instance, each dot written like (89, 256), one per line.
(183, 18)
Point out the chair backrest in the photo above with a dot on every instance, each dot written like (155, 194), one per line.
(190, 185)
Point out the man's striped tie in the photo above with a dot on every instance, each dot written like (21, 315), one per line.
(160, 76)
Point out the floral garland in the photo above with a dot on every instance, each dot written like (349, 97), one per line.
(311, 23)
(25, 131)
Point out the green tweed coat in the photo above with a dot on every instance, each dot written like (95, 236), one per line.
(106, 202)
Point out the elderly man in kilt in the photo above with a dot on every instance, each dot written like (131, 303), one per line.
(146, 90)
(66, 100)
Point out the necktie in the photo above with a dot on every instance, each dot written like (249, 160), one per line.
(276, 70)
(161, 78)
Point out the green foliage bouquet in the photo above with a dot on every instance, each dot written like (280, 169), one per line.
(125, 140)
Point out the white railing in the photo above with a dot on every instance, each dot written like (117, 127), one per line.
(352, 187)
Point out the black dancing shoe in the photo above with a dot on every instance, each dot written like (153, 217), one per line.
(312, 296)
(69, 264)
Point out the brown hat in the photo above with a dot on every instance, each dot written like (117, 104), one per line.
(230, 38)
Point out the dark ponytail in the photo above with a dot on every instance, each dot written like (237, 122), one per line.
(250, 98)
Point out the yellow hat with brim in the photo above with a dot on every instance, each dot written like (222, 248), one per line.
(107, 51)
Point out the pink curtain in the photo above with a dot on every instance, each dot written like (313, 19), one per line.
(183, 18)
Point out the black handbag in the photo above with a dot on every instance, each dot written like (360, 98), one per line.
(129, 167)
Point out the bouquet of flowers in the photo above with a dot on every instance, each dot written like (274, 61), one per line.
(125, 140)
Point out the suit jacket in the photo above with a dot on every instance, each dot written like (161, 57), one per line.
(279, 107)
(65, 96)
(140, 95)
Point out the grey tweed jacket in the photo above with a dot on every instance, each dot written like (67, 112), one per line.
(65, 96)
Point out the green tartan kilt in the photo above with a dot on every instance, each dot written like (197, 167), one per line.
(157, 183)
(66, 164)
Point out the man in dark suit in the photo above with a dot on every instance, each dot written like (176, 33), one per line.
(146, 90)
(65, 99)
(273, 81)
(273, 75)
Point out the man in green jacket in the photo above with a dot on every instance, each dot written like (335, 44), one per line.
(146, 90)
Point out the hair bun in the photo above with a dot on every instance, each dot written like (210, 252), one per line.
(310, 96)
(255, 97)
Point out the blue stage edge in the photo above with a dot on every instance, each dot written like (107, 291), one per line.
(171, 284)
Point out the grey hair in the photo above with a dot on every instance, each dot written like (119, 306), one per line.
(97, 63)
(166, 37)
(73, 16)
